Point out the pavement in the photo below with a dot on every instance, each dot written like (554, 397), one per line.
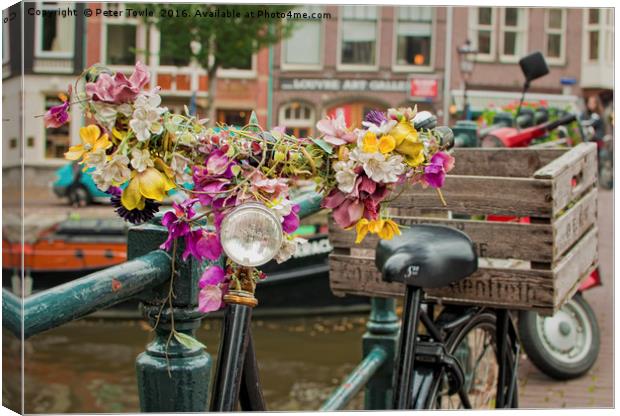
(595, 389)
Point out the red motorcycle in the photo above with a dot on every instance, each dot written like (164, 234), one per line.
(565, 345)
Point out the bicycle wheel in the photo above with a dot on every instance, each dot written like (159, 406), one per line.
(474, 346)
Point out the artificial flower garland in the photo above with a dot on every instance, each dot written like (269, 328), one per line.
(138, 151)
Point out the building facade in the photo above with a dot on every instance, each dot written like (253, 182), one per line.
(346, 60)
(364, 57)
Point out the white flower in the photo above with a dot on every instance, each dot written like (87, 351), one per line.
(125, 109)
(288, 249)
(345, 175)
(179, 165)
(116, 171)
(96, 159)
(100, 180)
(281, 207)
(146, 116)
(105, 114)
(377, 167)
(383, 129)
(141, 159)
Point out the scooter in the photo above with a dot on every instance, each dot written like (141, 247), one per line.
(565, 345)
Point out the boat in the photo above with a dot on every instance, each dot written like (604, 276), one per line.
(76, 247)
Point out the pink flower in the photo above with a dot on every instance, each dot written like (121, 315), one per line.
(218, 164)
(118, 89)
(210, 299)
(202, 245)
(274, 187)
(57, 115)
(346, 212)
(335, 131)
(212, 276)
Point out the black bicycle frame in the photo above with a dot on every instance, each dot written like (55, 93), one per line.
(236, 374)
(413, 379)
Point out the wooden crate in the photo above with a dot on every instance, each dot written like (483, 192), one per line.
(522, 266)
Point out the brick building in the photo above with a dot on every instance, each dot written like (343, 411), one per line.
(350, 60)
(364, 57)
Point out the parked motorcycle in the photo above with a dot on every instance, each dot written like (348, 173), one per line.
(565, 345)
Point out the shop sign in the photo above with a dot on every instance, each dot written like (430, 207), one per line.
(317, 84)
(423, 88)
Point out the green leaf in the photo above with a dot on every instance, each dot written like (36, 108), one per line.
(188, 341)
(323, 145)
(236, 169)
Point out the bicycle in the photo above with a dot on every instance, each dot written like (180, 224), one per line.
(433, 367)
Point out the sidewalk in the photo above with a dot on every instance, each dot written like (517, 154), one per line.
(594, 389)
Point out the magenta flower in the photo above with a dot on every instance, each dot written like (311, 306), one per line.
(218, 164)
(290, 222)
(376, 117)
(118, 89)
(435, 172)
(176, 221)
(211, 293)
(57, 115)
(202, 245)
(210, 299)
(335, 131)
(213, 275)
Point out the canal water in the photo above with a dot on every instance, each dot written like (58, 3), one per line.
(88, 366)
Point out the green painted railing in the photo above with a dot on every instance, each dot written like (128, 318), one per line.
(173, 377)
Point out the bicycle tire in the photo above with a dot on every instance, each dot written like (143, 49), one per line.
(487, 321)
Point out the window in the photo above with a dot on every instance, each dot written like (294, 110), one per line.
(512, 34)
(58, 140)
(358, 38)
(482, 32)
(244, 62)
(237, 118)
(121, 44)
(55, 35)
(297, 118)
(414, 33)
(555, 35)
(599, 35)
(303, 49)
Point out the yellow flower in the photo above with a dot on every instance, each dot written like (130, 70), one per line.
(387, 144)
(150, 183)
(365, 226)
(407, 143)
(370, 143)
(91, 140)
(343, 153)
(388, 230)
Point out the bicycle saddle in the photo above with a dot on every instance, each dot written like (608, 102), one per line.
(426, 256)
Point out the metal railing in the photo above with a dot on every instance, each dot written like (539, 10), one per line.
(171, 376)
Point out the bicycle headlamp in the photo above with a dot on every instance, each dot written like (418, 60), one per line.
(251, 235)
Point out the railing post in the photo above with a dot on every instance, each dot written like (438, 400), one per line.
(382, 330)
(171, 376)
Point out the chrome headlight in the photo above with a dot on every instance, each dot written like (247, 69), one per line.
(251, 235)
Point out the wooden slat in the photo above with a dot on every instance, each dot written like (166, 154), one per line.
(575, 265)
(569, 227)
(521, 289)
(484, 195)
(521, 162)
(491, 239)
(580, 164)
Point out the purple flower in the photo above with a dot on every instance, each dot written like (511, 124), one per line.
(214, 275)
(202, 245)
(57, 115)
(376, 117)
(176, 221)
(290, 222)
(435, 172)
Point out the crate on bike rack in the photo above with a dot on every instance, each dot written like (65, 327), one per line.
(533, 263)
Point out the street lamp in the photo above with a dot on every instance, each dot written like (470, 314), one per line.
(467, 57)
